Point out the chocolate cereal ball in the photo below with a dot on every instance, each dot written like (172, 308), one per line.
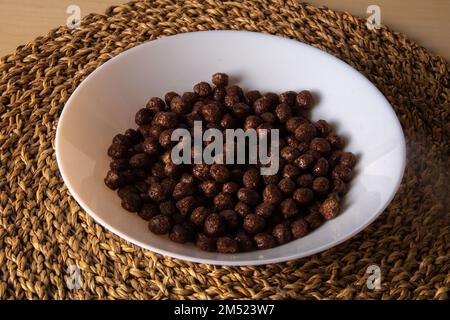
(230, 187)
(289, 208)
(253, 223)
(320, 168)
(210, 188)
(199, 215)
(231, 218)
(348, 159)
(293, 123)
(117, 151)
(299, 228)
(303, 196)
(251, 178)
(330, 207)
(131, 202)
(289, 154)
(249, 196)
(148, 211)
(223, 201)
(220, 79)
(264, 241)
(304, 99)
(245, 242)
(252, 96)
(219, 172)
(320, 145)
(179, 234)
(288, 98)
(214, 225)
(264, 210)
(305, 132)
(342, 172)
(186, 205)
(203, 89)
(321, 185)
(226, 245)
(118, 164)
(114, 180)
(286, 185)
(283, 112)
(211, 112)
(205, 243)
(160, 224)
(272, 194)
(305, 180)
(282, 233)
(179, 105)
(242, 208)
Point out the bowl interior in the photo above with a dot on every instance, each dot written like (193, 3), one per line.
(105, 104)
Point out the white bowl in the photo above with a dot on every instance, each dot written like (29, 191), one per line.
(105, 103)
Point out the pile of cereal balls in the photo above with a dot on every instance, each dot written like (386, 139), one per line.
(230, 208)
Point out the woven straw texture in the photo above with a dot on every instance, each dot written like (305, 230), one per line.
(43, 231)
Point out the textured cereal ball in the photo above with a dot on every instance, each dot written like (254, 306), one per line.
(320, 145)
(117, 151)
(272, 97)
(133, 135)
(154, 131)
(168, 185)
(262, 105)
(252, 96)
(251, 178)
(242, 208)
(304, 99)
(303, 196)
(114, 180)
(264, 210)
(214, 225)
(201, 171)
(157, 170)
(180, 106)
(241, 110)
(253, 223)
(271, 179)
(143, 117)
(210, 188)
(169, 96)
(230, 187)
(264, 241)
(186, 205)
(321, 185)
(219, 94)
(139, 160)
(179, 234)
(199, 215)
(293, 123)
(205, 243)
(230, 100)
(156, 193)
(348, 159)
(288, 98)
(305, 132)
(305, 180)
(231, 218)
(226, 245)
(289, 208)
(122, 139)
(203, 89)
(235, 90)
(166, 119)
(183, 189)
(320, 168)
(335, 141)
(223, 201)
(190, 98)
(219, 172)
(323, 128)
(249, 196)
(252, 122)
(245, 242)
(268, 117)
(187, 178)
(272, 194)
(211, 112)
(283, 112)
(286, 185)
(339, 187)
(160, 224)
(220, 79)
(172, 169)
(118, 164)
(167, 208)
(289, 154)
(148, 211)
(290, 171)
(330, 207)
(155, 105)
(314, 220)
(228, 121)
(299, 228)
(151, 146)
(282, 233)
(125, 190)
(342, 172)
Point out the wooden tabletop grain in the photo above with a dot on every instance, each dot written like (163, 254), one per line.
(425, 22)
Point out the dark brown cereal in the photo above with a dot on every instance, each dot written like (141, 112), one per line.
(342, 172)
(264, 209)
(186, 205)
(172, 170)
(288, 98)
(304, 99)
(244, 241)
(339, 186)
(320, 145)
(230, 187)
(199, 215)
(134, 135)
(160, 224)
(169, 96)
(167, 207)
(203, 89)
(272, 194)
(241, 110)
(148, 211)
(155, 105)
(140, 160)
(205, 243)
(305, 180)
(293, 123)
(219, 94)
(189, 98)
(268, 117)
(179, 105)
(201, 171)
(219, 172)
(249, 196)
(231, 100)
(231, 218)
(321, 185)
(143, 117)
(242, 208)
(283, 112)
(264, 241)
(335, 141)
(289, 154)
(271, 179)
(252, 122)
(228, 121)
(290, 171)
(156, 193)
(305, 132)
(286, 185)
(262, 105)
(314, 219)
(114, 180)
(211, 112)
(235, 90)
(117, 151)
(330, 207)
(348, 159)
(220, 79)
(282, 233)
(226, 245)
(214, 225)
(253, 223)
(323, 128)
(251, 178)
(210, 188)
(252, 96)
(166, 119)
(179, 234)
(289, 208)
(118, 164)
(122, 139)
(299, 228)
(183, 189)
(303, 196)
(320, 167)
(272, 97)
(223, 201)
(131, 202)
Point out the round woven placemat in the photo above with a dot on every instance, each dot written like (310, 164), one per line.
(43, 231)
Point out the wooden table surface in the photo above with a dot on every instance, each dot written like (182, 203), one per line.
(426, 22)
